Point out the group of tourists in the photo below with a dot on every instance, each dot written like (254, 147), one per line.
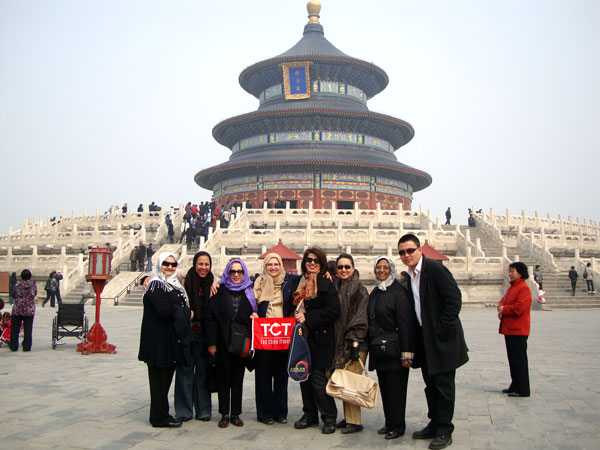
(190, 330)
(140, 257)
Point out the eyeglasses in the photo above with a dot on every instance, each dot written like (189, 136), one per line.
(313, 260)
(236, 272)
(169, 264)
(346, 267)
(382, 267)
(408, 251)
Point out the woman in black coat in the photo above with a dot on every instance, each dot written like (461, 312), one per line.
(392, 321)
(191, 393)
(273, 290)
(319, 308)
(165, 331)
(229, 315)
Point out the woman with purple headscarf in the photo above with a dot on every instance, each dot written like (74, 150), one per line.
(230, 312)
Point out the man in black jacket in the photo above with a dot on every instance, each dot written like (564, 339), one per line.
(441, 346)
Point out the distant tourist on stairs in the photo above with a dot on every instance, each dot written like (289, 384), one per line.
(58, 276)
(149, 253)
(141, 256)
(50, 288)
(589, 278)
(538, 277)
(448, 216)
(133, 258)
(573, 275)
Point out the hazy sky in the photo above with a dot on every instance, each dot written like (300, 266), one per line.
(105, 102)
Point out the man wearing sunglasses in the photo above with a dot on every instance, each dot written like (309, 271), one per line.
(441, 346)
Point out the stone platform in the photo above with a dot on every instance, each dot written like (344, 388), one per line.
(62, 399)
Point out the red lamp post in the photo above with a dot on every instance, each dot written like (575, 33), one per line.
(99, 274)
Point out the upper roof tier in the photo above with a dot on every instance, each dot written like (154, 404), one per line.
(329, 63)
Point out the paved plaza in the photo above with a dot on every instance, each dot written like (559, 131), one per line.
(62, 399)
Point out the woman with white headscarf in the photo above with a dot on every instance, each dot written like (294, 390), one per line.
(392, 340)
(166, 331)
(273, 291)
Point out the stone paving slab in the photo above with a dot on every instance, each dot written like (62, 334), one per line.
(62, 399)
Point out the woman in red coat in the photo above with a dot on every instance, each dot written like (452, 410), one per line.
(514, 314)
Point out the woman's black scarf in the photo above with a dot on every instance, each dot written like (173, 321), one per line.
(197, 288)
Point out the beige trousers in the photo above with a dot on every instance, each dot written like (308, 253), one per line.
(352, 412)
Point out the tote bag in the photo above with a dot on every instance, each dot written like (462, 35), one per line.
(357, 389)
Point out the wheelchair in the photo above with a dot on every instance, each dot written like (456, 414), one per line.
(70, 321)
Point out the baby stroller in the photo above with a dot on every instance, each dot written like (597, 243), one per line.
(71, 321)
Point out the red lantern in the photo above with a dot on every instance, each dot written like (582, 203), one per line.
(98, 274)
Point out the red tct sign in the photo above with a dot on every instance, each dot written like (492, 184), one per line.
(272, 333)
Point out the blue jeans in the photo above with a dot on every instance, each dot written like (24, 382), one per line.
(190, 388)
(149, 265)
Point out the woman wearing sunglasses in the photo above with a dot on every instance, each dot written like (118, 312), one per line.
(228, 318)
(273, 290)
(318, 308)
(165, 335)
(350, 332)
(392, 340)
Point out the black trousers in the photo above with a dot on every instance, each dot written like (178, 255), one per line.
(573, 286)
(50, 296)
(393, 385)
(315, 399)
(160, 382)
(271, 384)
(231, 381)
(516, 350)
(439, 392)
(15, 328)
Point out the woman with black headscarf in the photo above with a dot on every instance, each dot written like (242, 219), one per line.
(228, 322)
(190, 389)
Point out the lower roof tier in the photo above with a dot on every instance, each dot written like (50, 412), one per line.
(315, 158)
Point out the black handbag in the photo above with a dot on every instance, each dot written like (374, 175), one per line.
(240, 343)
(385, 345)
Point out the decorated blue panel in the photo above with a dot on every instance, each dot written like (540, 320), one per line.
(393, 183)
(339, 136)
(297, 80)
(377, 143)
(291, 136)
(346, 186)
(346, 177)
(329, 86)
(345, 181)
(289, 184)
(288, 176)
(253, 141)
(239, 180)
(273, 91)
(355, 92)
(239, 188)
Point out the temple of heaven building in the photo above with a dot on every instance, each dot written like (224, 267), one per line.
(313, 137)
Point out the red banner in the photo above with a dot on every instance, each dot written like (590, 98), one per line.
(272, 333)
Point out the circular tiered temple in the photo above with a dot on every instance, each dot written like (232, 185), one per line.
(313, 137)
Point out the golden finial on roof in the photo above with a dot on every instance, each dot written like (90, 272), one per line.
(313, 8)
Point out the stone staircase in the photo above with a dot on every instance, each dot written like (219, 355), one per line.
(76, 294)
(488, 245)
(557, 287)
